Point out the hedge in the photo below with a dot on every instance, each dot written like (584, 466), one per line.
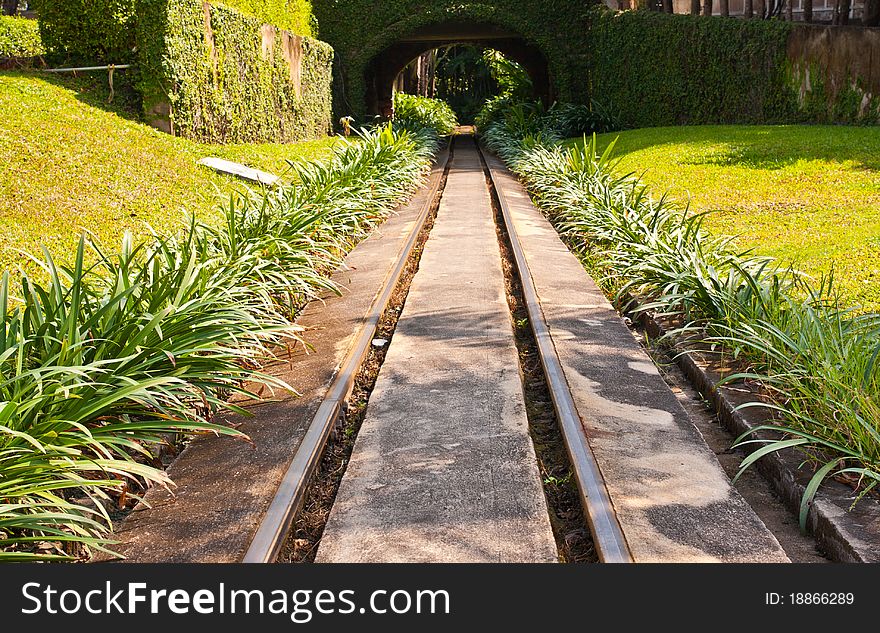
(220, 76)
(19, 38)
(659, 69)
(88, 30)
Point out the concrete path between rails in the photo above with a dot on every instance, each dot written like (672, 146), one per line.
(443, 469)
(223, 485)
(671, 496)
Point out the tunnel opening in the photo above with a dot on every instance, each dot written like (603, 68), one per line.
(466, 77)
(408, 64)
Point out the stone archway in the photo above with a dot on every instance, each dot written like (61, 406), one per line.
(374, 41)
(380, 73)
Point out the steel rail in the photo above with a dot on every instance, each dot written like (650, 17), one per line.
(86, 68)
(608, 537)
(273, 529)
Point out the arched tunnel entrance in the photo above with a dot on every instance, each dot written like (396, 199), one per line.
(381, 73)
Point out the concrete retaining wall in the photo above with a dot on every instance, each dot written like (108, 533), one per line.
(835, 72)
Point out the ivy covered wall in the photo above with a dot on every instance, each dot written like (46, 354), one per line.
(216, 72)
(204, 70)
(292, 15)
(360, 30)
(213, 74)
(660, 69)
(105, 30)
(650, 68)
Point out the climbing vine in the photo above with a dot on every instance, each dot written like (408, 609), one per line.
(660, 69)
(229, 78)
(360, 30)
(292, 15)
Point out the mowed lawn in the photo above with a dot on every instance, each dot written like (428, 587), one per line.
(69, 162)
(807, 195)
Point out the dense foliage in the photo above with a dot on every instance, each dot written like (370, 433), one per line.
(233, 85)
(817, 362)
(293, 15)
(514, 86)
(553, 124)
(414, 112)
(88, 30)
(661, 69)
(463, 78)
(19, 38)
(104, 364)
(105, 30)
(225, 78)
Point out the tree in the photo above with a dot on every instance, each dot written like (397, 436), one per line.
(841, 12)
(871, 13)
(667, 6)
(695, 7)
(707, 7)
(10, 7)
(724, 5)
(749, 9)
(808, 10)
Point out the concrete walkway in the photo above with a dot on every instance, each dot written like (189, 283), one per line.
(443, 469)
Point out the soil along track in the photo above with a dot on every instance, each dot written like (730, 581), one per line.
(225, 487)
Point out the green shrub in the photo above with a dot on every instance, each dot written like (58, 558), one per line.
(19, 38)
(421, 112)
(105, 30)
(88, 30)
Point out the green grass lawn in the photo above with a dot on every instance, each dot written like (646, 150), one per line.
(808, 195)
(68, 162)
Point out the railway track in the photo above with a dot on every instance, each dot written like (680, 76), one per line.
(609, 540)
(444, 468)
